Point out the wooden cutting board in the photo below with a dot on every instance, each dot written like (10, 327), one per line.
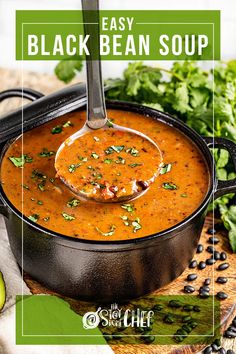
(48, 83)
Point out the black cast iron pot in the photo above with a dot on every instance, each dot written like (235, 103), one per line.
(105, 271)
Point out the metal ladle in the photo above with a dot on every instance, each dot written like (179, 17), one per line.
(96, 109)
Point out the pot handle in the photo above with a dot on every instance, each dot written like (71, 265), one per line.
(224, 187)
(27, 93)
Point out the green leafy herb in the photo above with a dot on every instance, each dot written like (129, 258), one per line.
(166, 168)
(68, 124)
(25, 186)
(109, 233)
(108, 161)
(133, 165)
(169, 185)
(114, 148)
(36, 174)
(57, 129)
(68, 217)
(47, 218)
(73, 203)
(84, 159)
(39, 202)
(184, 195)
(67, 69)
(72, 168)
(20, 161)
(120, 160)
(94, 155)
(41, 186)
(34, 217)
(133, 151)
(46, 153)
(110, 124)
(129, 207)
(136, 225)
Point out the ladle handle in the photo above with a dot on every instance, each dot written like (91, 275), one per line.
(96, 109)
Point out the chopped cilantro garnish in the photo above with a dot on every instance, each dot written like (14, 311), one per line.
(166, 168)
(94, 155)
(129, 207)
(68, 124)
(120, 160)
(72, 203)
(108, 161)
(34, 217)
(46, 153)
(132, 151)
(72, 168)
(47, 218)
(25, 186)
(68, 217)
(135, 164)
(96, 138)
(109, 124)
(84, 159)
(57, 129)
(170, 186)
(109, 233)
(39, 202)
(113, 148)
(136, 225)
(20, 161)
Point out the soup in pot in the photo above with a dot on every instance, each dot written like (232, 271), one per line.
(29, 180)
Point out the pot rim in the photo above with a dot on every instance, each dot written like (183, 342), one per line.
(154, 114)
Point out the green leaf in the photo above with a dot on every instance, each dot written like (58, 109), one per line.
(170, 186)
(129, 207)
(73, 203)
(46, 153)
(34, 217)
(68, 217)
(67, 69)
(228, 216)
(181, 98)
(20, 161)
(166, 168)
(57, 129)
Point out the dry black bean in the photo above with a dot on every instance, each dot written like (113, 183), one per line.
(223, 256)
(223, 266)
(222, 351)
(229, 351)
(221, 295)
(169, 319)
(116, 335)
(193, 264)
(232, 328)
(196, 308)
(205, 288)
(217, 342)
(178, 339)
(208, 350)
(175, 304)
(210, 249)
(200, 248)
(187, 328)
(107, 336)
(149, 339)
(213, 240)
(188, 308)
(229, 334)
(216, 255)
(210, 261)
(191, 277)
(221, 280)
(214, 347)
(189, 289)
(207, 281)
(201, 265)
(192, 324)
(186, 319)
(204, 294)
(234, 322)
(211, 231)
